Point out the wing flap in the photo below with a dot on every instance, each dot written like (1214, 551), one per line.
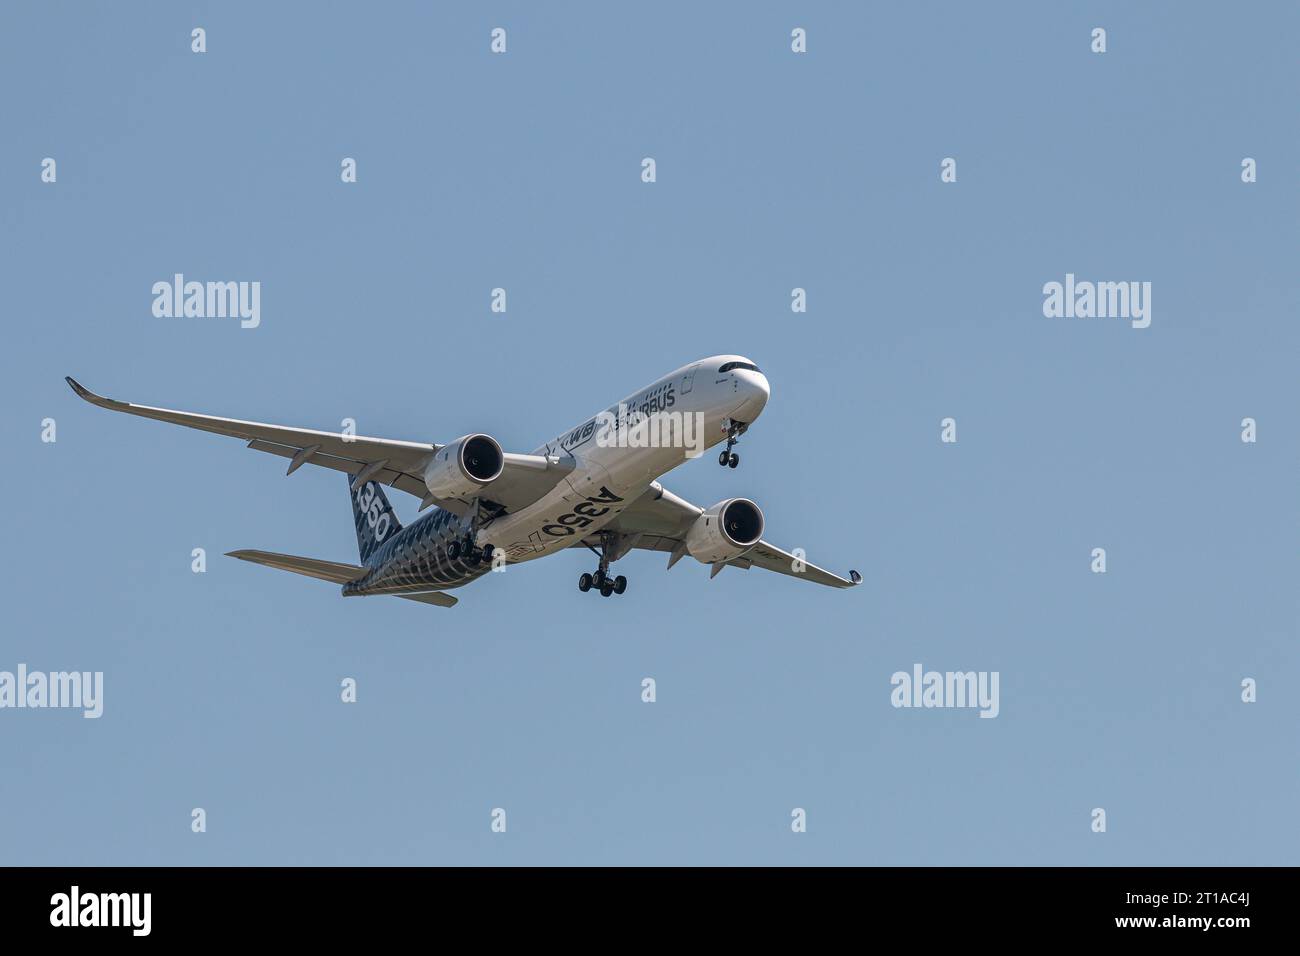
(771, 558)
(526, 479)
(400, 480)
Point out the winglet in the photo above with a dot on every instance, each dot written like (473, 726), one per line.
(855, 577)
(88, 395)
(80, 389)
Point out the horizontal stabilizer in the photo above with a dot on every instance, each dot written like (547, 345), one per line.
(440, 598)
(334, 571)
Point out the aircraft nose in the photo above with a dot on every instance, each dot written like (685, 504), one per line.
(754, 388)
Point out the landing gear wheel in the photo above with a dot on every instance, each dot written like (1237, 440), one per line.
(600, 579)
(473, 556)
(453, 550)
(727, 458)
(488, 551)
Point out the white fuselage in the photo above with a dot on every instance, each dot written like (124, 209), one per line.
(686, 412)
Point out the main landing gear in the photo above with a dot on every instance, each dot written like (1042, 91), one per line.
(603, 583)
(464, 548)
(728, 458)
(601, 580)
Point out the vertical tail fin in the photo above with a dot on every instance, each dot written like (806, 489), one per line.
(374, 517)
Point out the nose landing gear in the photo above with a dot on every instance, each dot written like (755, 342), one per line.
(728, 458)
(601, 580)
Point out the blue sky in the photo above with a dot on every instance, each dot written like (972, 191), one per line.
(775, 171)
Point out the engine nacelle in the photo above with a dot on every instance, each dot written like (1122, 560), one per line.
(725, 531)
(463, 468)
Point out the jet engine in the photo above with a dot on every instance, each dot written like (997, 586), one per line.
(461, 469)
(725, 531)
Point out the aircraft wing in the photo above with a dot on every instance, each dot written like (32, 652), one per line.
(399, 464)
(659, 521)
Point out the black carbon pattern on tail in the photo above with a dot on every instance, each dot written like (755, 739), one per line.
(374, 517)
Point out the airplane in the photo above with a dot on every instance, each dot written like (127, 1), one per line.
(594, 486)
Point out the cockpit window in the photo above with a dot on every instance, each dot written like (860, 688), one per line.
(734, 365)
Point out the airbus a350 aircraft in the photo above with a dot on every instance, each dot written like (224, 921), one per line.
(594, 486)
